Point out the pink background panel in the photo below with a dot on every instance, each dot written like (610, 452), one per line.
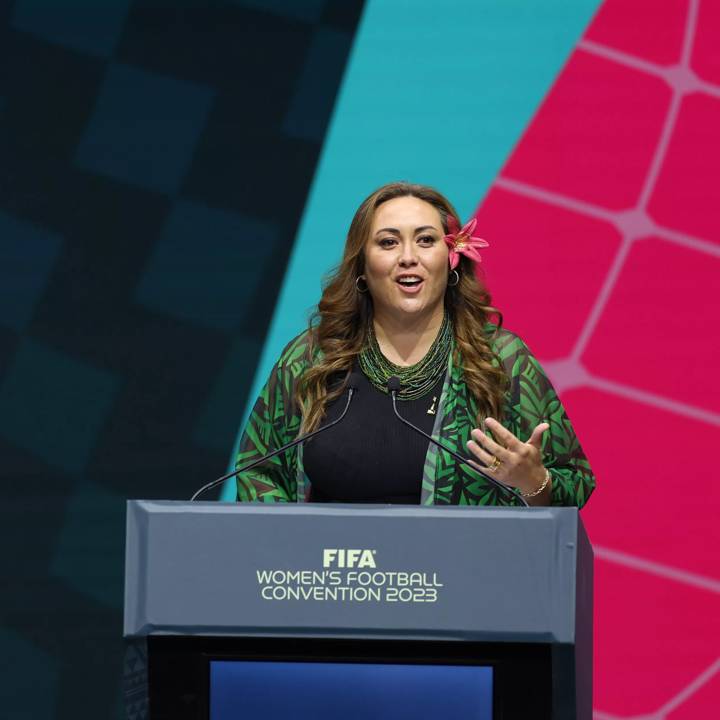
(651, 488)
(651, 639)
(705, 55)
(700, 703)
(650, 29)
(560, 257)
(687, 195)
(595, 133)
(604, 231)
(661, 329)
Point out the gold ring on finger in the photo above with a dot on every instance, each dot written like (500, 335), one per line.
(496, 463)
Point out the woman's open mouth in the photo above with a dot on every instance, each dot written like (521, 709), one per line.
(410, 284)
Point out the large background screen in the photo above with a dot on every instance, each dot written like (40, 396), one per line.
(176, 178)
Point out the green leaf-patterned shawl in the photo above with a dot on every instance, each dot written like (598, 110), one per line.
(531, 399)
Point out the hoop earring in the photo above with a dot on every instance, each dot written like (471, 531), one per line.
(457, 278)
(357, 284)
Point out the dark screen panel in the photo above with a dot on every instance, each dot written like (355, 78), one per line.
(352, 691)
(179, 676)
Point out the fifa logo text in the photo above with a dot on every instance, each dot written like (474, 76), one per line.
(350, 558)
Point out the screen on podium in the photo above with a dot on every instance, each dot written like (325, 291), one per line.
(269, 690)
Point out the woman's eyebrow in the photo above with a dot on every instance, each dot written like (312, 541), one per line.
(422, 228)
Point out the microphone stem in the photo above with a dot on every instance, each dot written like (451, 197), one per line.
(465, 461)
(271, 455)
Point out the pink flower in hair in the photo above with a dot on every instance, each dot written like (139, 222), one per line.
(461, 241)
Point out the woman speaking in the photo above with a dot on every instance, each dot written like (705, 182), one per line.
(405, 303)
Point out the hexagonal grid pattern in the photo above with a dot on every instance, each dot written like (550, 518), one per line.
(604, 246)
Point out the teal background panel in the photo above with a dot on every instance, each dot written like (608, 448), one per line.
(432, 94)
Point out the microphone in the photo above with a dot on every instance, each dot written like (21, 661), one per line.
(394, 385)
(352, 383)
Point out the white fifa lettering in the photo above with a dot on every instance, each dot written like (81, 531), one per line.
(348, 558)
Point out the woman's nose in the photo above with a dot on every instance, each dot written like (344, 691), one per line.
(408, 255)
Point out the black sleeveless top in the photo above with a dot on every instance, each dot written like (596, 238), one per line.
(371, 457)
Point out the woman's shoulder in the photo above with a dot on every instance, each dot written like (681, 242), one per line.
(514, 355)
(298, 354)
(505, 343)
(295, 349)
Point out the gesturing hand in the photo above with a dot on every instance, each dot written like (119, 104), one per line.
(515, 462)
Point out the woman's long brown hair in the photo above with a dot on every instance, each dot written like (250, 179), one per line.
(339, 326)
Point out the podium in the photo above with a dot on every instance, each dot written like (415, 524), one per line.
(501, 596)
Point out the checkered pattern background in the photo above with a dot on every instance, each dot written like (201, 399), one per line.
(155, 159)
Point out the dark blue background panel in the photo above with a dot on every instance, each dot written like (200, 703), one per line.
(28, 254)
(150, 195)
(83, 25)
(215, 286)
(34, 694)
(144, 128)
(54, 405)
(309, 10)
(312, 100)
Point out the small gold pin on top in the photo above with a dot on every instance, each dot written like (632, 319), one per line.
(431, 409)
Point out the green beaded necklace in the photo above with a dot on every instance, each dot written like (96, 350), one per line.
(415, 380)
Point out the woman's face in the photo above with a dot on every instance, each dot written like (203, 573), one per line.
(406, 260)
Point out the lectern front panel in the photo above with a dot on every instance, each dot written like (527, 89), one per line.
(218, 595)
(384, 571)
